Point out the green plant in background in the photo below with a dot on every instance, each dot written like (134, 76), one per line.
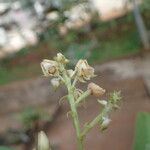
(30, 116)
(57, 69)
(5, 148)
(142, 132)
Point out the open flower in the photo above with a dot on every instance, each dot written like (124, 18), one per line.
(43, 142)
(49, 67)
(84, 71)
(95, 89)
(61, 58)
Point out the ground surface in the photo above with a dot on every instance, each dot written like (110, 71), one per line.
(125, 75)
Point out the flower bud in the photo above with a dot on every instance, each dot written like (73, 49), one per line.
(55, 82)
(49, 67)
(61, 58)
(84, 71)
(103, 102)
(70, 73)
(43, 142)
(105, 122)
(95, 89)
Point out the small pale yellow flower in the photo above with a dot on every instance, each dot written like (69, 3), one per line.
(84, 71)
(95, 89)
(61, 58)
(49, 67)
(43, 142)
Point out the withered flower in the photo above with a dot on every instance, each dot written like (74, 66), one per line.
(49, 67)
(96, 90)
(84, 71)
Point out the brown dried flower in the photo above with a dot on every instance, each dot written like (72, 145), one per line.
(84, 71)
(95, 89)
(49, 67)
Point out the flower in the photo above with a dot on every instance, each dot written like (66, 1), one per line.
(95, 89)
(84, 71)
(55, 82)
(49, 67)
(43, 142)
(61, 58)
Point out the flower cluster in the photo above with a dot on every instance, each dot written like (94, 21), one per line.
(82, 72)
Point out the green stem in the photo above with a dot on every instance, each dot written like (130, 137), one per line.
(75, 120)
(74, 112)
(98, 119)
(82, 97)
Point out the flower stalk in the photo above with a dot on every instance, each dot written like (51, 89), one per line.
(57, 69)
(82, 97)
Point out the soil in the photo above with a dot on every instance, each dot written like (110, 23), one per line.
(124, 75)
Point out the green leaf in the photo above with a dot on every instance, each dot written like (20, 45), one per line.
(142, 134)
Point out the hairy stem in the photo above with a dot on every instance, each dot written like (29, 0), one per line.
(75, 120)
(74, 112)
(98, 119)
(82, 97)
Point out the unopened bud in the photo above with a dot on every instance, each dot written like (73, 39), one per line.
(61, 58)
(55, 82)
(70, 73)
(43, 142)
(105, 122)
(103, 102)
(95, 89)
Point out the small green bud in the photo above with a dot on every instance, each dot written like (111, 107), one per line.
(115, 98)
(61, 58)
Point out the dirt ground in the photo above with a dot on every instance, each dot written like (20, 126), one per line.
(124, 75)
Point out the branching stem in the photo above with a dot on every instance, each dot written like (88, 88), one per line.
(82, 97)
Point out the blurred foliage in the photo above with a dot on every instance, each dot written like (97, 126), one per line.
(145, 9)
(30, 116)
(142, 133)
(18, 73)
(96, 41)
(5, 148)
